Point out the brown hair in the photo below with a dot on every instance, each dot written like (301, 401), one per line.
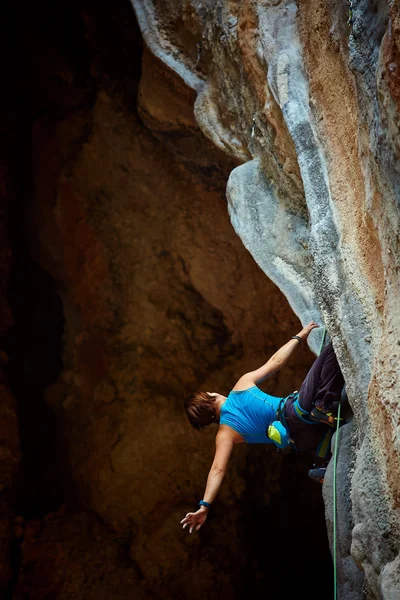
(200, 409)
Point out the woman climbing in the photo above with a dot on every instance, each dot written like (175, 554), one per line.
(250, 415)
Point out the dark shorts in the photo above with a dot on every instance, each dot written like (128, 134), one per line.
(322, 386)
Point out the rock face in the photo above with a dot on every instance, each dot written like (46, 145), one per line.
(305, 97)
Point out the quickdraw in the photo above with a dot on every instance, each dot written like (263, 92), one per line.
(350, 17)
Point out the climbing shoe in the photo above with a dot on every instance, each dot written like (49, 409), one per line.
(317, 474)
(320, 416)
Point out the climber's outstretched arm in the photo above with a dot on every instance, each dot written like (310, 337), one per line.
(223, 449)
(276, 362)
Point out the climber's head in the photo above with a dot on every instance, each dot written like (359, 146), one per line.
(202, 409)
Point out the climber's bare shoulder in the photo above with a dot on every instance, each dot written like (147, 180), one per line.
(244, 383)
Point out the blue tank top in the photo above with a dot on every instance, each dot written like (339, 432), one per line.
(250, 412)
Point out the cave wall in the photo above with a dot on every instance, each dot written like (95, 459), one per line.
(127, 216)
(10, 451)
(305, 96)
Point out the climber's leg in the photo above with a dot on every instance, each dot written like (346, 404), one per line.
(322, 386)
(331, 382)
(323, 383)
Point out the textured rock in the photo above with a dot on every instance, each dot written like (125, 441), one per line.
(307, 99)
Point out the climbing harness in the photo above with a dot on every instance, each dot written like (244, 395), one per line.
(324, 445)
(277, 432)
(301, 412)
(281, 419)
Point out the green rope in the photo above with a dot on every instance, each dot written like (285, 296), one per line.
(334, 488)
(323, 340)
(334, 505)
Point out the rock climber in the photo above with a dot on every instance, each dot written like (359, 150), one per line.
(250, 415)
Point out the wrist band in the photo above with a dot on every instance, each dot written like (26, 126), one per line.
(204, 503)
(298, 338)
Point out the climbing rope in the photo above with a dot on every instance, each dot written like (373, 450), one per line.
(322, 342)
(334, 488)
(334, 504)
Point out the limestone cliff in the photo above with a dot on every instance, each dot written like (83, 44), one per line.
(304, 96)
